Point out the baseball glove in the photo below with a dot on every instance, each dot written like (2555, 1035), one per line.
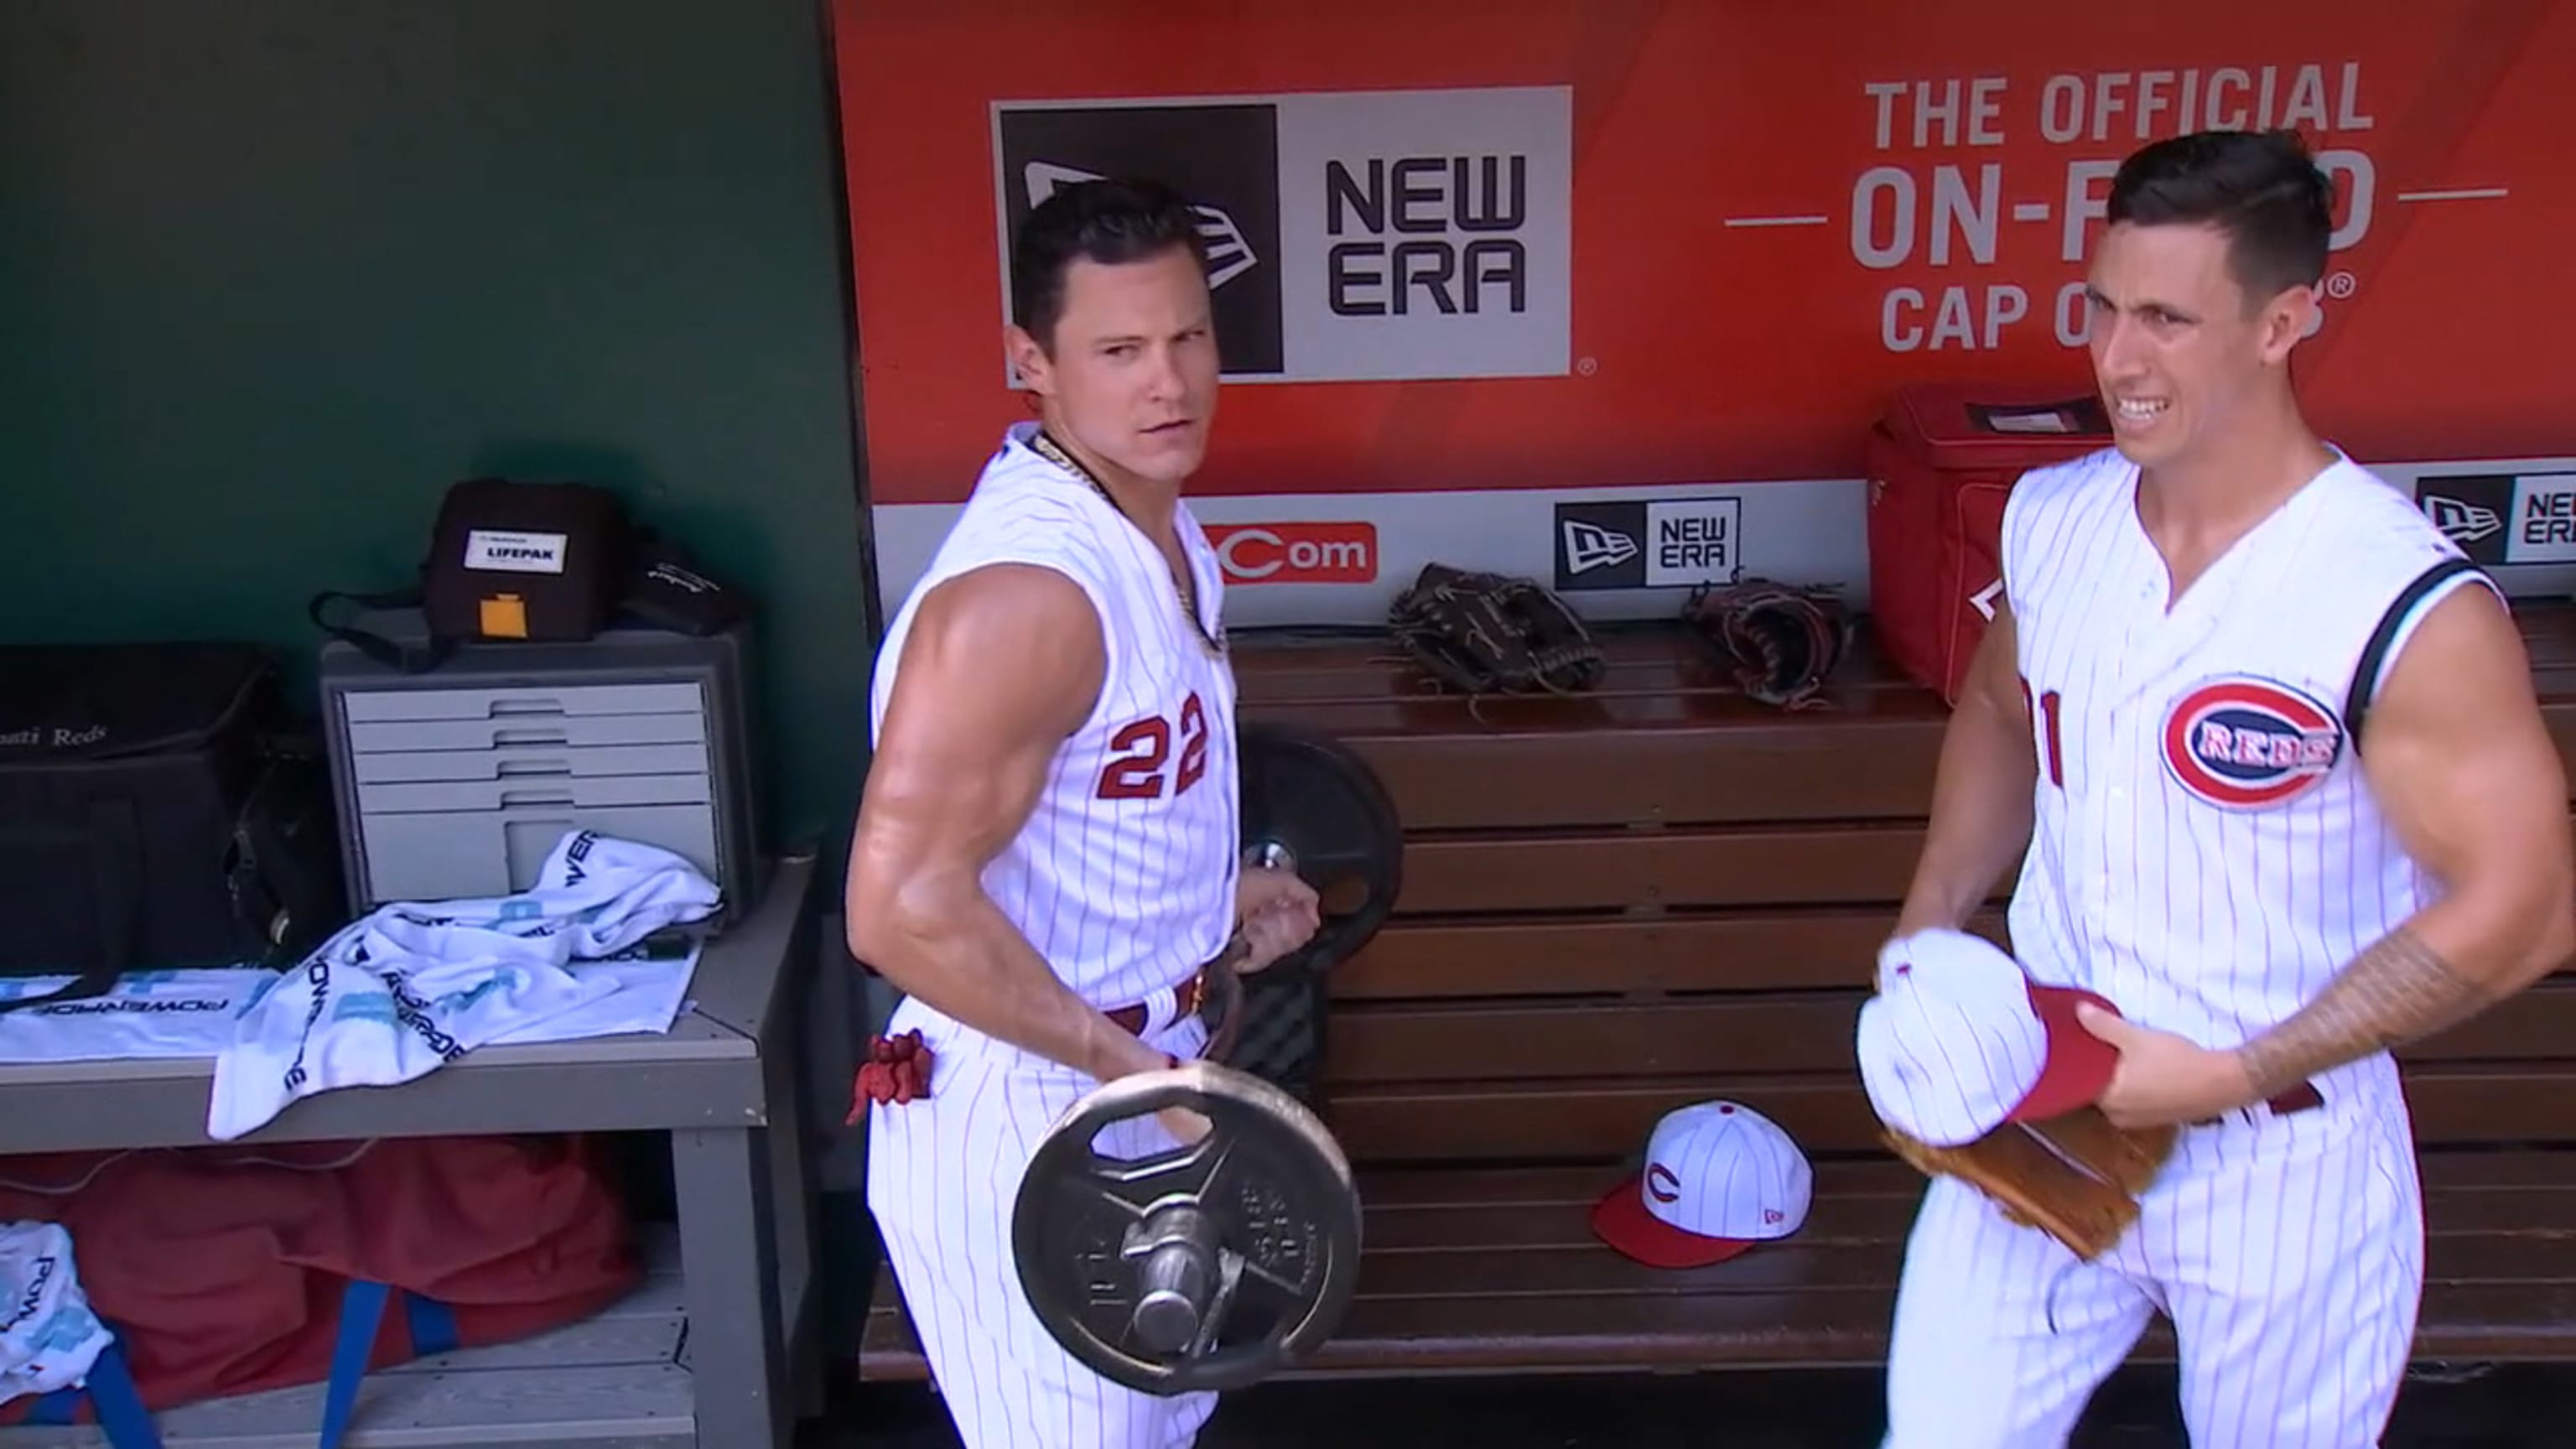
(2075, 1177)
(1488, 633)
(1781, 640)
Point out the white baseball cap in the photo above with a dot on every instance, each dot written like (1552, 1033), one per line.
(1960, 1040)
(1718, 1178)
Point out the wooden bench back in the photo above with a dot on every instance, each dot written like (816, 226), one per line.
(1662, 892)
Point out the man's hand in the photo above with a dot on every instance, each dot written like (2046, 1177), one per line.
(1185, 1125)
(1279, 913)
(2163, 1079)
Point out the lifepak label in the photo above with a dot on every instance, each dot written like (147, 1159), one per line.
(515, 553)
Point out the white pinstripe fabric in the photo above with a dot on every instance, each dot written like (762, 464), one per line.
(1131, 894)
(2288, 1251)
(1123, 880)
(943, 1174)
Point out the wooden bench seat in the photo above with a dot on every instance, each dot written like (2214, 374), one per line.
(1662, 892)
(1496, 1270)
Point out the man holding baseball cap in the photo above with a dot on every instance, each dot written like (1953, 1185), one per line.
(1960, 1040)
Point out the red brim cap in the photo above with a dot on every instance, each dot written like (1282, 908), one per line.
(1620, 1219)
(2079, 1063)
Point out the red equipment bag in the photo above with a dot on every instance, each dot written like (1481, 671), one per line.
(226, 1270)
(1942, 460)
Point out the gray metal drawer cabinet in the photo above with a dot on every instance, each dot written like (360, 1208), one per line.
(453, 786)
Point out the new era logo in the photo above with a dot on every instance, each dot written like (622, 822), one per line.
(1660, 543)
(2462, 523)
(2472, 510)
(1224, 157)
(1589, 546)
(1230, 253)
(1351, 235)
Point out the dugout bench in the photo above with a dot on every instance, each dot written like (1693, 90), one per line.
(1662, 892)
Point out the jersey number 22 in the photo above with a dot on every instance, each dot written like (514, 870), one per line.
(1146, 747)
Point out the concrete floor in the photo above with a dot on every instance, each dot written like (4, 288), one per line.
(2510, 1408)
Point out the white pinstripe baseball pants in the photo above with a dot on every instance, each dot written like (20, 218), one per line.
(943, 1172)
(2289, 1253)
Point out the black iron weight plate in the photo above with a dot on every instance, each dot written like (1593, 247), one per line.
(1319, 799)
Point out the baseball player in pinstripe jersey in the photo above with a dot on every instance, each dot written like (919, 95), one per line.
(2268, 757)
(1047, 853)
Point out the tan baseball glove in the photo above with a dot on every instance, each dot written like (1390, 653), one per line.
(2075, 1177)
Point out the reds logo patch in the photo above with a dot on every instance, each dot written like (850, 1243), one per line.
(2245, 743)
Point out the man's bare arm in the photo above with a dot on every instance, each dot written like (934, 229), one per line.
(1000, 665)
(1981, 797)
(2460, 762)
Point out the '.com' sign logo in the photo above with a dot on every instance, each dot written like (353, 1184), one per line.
(1351, 236)
(1296, 553)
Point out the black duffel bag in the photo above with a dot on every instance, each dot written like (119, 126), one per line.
(157, 811)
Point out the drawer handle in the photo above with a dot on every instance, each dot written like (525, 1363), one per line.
(511, 768)
(502, 707)
(514, 798)
(538, 736)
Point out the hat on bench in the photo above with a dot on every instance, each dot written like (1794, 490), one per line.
(1960, 1040)
(1718, 1178)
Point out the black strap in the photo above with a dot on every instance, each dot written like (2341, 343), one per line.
(116, 870)
(2374, 655)
(406, 658)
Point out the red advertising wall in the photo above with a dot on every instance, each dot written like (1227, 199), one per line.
(1743, 225)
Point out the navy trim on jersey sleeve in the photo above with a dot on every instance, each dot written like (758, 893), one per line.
(2374, 655)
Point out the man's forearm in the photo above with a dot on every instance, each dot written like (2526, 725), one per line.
(971, 964)
(2400, 989)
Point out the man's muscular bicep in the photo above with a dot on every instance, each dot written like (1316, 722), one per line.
(2464, 768)
(999, 666)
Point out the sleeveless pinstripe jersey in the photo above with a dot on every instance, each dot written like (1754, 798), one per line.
(1123, 879)
(1124, 876)
(2206, 854)
(2206, 851)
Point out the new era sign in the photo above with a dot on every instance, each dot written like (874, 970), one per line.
(2504, 518)
(1352, 235)
(1663, 543)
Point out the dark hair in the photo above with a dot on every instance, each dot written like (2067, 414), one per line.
(1108, 222)
(2261, 188)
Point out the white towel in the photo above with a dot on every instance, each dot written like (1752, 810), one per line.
(146, 1014)
(418, 984)
(48, 1335)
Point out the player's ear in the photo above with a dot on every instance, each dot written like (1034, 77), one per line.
(1028, 359)
(2287, 319)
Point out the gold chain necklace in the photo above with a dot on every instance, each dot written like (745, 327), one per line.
(1184, 588)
